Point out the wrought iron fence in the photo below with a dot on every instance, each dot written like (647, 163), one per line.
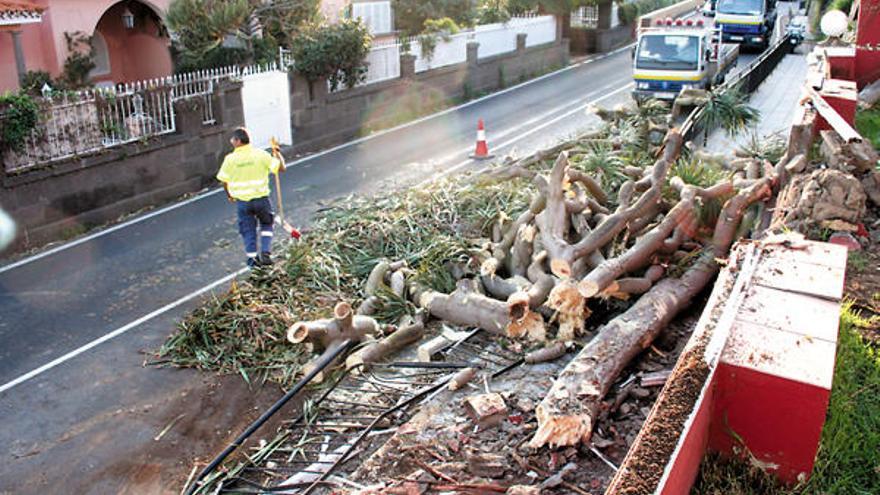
(75, 124)
(85, 122)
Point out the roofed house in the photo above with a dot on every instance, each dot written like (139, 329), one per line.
(130, 40)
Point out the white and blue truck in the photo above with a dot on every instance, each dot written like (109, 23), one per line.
(747, 22)
(676, 55)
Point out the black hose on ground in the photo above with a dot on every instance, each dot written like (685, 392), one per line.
(326, 359)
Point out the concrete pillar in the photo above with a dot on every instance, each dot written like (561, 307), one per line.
(407, 66)
(521, 41)
(473, 52)
(605, 10)
(19, 54)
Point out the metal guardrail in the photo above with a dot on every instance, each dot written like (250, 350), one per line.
(747, 81)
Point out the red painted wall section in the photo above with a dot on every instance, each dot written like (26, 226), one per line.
(868, 35)
(842, 62)
(775, 375)
(134, 54)
(686, 464)
(842, 96)
(778, 421)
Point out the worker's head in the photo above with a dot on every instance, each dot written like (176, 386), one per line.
(240, 137)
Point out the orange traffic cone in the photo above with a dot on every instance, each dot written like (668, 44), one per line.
(482, 152)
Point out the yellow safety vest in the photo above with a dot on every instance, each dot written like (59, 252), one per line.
(245, 172)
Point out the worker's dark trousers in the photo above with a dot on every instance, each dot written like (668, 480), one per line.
(251, 214)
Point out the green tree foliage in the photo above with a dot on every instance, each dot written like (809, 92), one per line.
(335, 52)
(201, 26)
(492, 11)
(433, 32)
(555, 7)
(410, 15)
(282, 20)
(19, 114)
(728, 110)
(629, 12)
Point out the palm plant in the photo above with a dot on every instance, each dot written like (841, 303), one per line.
(729, 110)
(770, 148)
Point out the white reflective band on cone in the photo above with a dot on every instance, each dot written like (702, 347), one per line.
(481, 135)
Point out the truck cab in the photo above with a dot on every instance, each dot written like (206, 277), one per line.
(672, 57)
(748, 22)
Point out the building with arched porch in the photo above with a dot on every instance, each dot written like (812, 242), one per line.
(130, 40)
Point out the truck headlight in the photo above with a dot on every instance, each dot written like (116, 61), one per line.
(687, 86)
(758, 39)
(642, 85)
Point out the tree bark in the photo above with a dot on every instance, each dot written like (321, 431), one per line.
(344, 325)
(381, 349)
(467, 307)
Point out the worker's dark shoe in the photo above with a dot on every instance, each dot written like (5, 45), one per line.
(264, 259)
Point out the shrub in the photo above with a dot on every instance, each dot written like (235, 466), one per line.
(33, 81)
(410, 16)
(492, 11)
(19, 115)
(336, 52)
(79, 62)
(433, 32)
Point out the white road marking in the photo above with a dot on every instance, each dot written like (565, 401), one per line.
(533, 130)
(119, 331)
(212, 192)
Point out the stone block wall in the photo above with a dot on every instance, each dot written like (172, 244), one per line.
(322, 119)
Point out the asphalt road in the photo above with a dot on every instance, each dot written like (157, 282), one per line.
(80, 414)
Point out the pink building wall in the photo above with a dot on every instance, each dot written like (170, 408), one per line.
(45, 47)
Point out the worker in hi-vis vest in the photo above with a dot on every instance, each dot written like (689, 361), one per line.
(245, 176)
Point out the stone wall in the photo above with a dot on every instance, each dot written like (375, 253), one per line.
(69, 197)
(322, 119)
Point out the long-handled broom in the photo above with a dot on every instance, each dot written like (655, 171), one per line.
(290, 229)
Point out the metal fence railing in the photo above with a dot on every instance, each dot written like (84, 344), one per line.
(747, 81)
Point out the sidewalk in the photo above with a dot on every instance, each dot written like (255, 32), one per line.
(777, 100)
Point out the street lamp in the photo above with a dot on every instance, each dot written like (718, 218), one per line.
(127, 19)
(834, 24)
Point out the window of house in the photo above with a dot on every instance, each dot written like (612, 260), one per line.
(376, 15)
(101, 57)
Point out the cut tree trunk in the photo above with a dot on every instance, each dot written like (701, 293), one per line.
(381, 349)
(344, 325)
(568, 413)
(465, 306)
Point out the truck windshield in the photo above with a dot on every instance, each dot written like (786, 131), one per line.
(665, 51)
(740, 7)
